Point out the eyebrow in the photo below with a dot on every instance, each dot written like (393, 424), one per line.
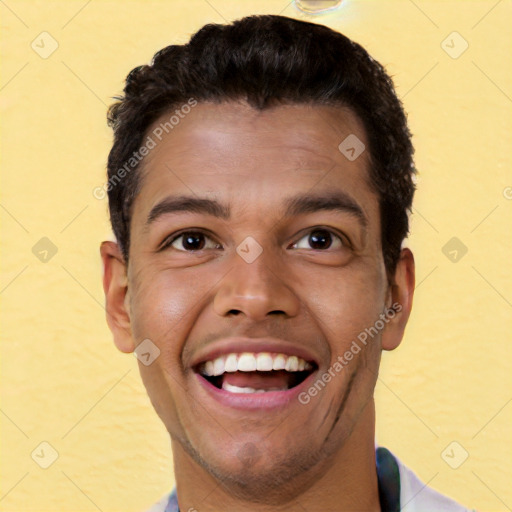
(300, 204)
(333, 201)
(185, 204)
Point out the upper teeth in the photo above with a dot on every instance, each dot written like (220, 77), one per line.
(249, 362)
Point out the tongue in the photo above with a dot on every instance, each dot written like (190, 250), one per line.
(259, 380)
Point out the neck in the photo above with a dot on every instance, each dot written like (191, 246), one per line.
(347, 480)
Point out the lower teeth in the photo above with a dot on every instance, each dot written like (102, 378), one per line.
(236, 389)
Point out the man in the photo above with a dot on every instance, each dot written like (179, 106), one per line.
(259, 187)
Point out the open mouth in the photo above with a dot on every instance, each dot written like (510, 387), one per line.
(255, 372)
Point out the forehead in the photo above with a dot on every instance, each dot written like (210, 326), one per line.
(233, 151)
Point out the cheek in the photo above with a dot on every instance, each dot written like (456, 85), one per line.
(163, 304)
(347, 304)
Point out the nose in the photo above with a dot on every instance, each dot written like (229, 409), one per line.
(256, 290)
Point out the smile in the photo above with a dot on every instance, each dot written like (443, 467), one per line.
(255, 372)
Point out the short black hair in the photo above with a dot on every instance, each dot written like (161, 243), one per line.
(268, 60)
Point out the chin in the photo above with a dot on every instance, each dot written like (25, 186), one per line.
(261, 476)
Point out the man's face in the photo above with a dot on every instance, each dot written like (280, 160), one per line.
(288, 262)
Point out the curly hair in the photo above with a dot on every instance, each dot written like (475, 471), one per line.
(266, 61)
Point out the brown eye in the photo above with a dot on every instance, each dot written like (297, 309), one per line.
(319, 239)
(189, 241)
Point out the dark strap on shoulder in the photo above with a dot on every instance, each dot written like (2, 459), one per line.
(388, 476)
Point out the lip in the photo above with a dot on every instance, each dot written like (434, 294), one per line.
(253, 345)
(256, 401)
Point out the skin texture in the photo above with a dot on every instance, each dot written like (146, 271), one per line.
(320, 455)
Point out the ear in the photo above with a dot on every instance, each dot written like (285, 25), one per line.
(399, 301)
(115, 286)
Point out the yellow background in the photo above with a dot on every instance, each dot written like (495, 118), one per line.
(62, 379)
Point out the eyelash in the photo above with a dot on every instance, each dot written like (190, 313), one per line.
(172, 238)
(167, 243)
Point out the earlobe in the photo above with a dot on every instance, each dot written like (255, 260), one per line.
(401, 295)
(115, 286)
